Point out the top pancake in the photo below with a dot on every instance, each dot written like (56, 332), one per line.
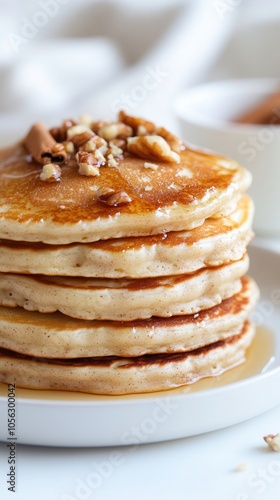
(176, 196)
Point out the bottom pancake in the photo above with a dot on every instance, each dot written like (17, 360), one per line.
(112, 375)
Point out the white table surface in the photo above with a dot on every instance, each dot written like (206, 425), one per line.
(203, 467)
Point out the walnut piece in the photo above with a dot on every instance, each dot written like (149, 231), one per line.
(94, 143)
(118, 143)
(79, 135)
(174, 142)
(88, 170)
(50, 173)
(152, 147)
(273, 441)
(60, 133)
(241, 467)
(113, 198)
(111, 162)
(115, 131)
(69, 147)
(135, 122)
(88, 164)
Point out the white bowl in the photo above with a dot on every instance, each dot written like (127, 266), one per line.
(206, 115)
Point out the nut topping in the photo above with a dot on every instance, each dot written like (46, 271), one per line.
(174, 142)
(50, 173)
(113, 198)
(118, 143)
(273, 441)
(115, 131)
(134, 122)
(88, 164)
(101, 143)
(152, 147)
(81, 139)
(69, 147)
(111, 162)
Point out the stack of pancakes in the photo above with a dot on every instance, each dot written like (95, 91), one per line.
(127, 277)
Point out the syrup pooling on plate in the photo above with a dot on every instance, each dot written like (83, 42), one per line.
(258, 360)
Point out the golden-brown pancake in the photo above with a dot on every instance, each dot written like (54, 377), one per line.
(216, 242)
(180, 196)
(122, 259)
(119, 375)
(123, 299)
(58, 336)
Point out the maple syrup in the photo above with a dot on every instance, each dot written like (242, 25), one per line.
(259, 358)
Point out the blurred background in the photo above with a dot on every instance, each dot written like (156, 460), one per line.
(63, 58)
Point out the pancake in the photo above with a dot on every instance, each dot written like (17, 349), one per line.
(116, 375)
(123, 299)
(122, 259)
(175, 197)
(57, 336)
(216, 242)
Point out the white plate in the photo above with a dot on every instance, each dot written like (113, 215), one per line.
(72, 419)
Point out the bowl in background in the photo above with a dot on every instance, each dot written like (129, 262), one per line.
(206, 115)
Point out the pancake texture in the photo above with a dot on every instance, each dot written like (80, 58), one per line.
(123, 259)
(114, 375)
(214, 243)
(58, 336)
(180, 196)
(123, 299)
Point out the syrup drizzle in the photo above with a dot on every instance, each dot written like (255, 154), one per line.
(260, 357)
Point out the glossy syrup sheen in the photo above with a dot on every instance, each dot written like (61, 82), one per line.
(258, 359)
(211, 228)
(24, 196)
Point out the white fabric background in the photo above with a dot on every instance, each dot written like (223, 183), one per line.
(60, 58)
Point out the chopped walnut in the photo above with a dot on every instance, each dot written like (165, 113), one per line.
(273, 441)
(60, 133)
(115, 131)
(95, 126)
(69, 147)
(112, 198)
(89, 146)
(99, 157)
(134, 122)
(152, 147)
(79, 135)
(111, 162)
(76, 130)
(174, 142)
(141, 130)
(94, 143)
(115, 151)
(241, 467)
(50, 173)
(118, 143)
(81, 139)
(104, 192)
(88, 170)
(88, 164)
